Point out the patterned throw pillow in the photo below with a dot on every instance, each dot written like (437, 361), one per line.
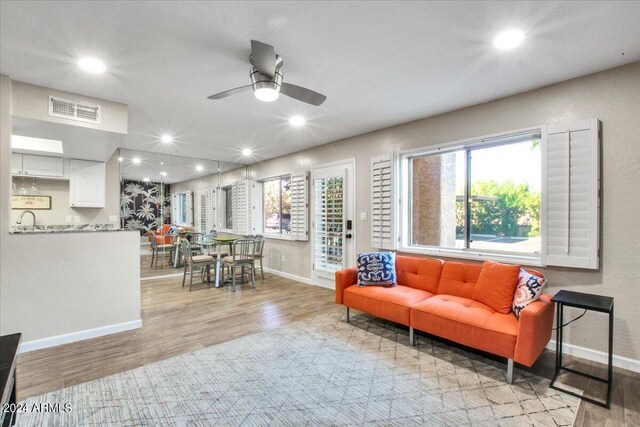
(377, 269)
(528, 289)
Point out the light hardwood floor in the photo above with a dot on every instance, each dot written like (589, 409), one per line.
(176, 321)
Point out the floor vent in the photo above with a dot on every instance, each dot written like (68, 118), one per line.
(80, 111)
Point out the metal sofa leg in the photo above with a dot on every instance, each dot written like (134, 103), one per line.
(347, 314)
(509, 371)
(412, 337)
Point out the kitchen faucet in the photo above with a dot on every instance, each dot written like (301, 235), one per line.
(19, 221)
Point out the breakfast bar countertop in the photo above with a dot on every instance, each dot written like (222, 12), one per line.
(63, 228)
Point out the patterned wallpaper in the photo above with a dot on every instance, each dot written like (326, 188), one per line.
(141, 205)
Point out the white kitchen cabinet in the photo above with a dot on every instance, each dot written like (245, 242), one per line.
(42, 166)
(16, 163)
(86, 184)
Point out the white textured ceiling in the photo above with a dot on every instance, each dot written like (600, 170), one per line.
(379, 63)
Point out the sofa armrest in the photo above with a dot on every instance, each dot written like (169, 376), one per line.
(345, 278)
(534, 330)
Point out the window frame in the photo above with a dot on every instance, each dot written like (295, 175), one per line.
(406, 201)
(270, 234)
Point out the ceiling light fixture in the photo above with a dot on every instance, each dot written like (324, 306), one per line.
(145, 179)
(120, 159)
(199, 168)
(246, 151)
(92, 65)
(508, 39)
(163, 173)
(136, 160)
(297, 121)
(266, 94)
(166, 138)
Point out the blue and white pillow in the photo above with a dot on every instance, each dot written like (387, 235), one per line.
(528, 289)
(377, 269)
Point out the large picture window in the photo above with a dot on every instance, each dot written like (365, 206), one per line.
(481, 197)
(277, 205)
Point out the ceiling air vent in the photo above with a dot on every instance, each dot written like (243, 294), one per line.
(80, 111)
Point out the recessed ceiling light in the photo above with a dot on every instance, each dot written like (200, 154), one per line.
(92, 65)
(136, 160)
(199, 168)
(508, 39)
(166, 138)
(163, 173)
(145, 179)
(120, 159)
(246, 151)
(297, 121)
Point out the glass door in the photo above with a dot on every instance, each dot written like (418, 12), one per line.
(332, 225)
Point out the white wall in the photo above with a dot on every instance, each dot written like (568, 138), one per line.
(612, 96)
(58, 284)
(32, 102)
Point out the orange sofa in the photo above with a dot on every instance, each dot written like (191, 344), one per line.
(436, 297)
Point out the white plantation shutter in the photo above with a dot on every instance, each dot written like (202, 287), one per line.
(242, 207)
(300, 206)
(212, 206)
(329, 224)
(202, 211)
(571, 183)
(206, 210)
(383, 234)
(189, 222)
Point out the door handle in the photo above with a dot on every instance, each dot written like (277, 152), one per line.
(348, 236)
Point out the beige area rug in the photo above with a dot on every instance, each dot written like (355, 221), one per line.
(323, 371)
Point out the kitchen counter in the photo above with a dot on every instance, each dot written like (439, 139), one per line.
(63, 228)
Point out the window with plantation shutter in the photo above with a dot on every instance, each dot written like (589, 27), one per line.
(383, 234)
(206, 210)
(242, 195)
(182, 208)
(300, 206)
(571, 200)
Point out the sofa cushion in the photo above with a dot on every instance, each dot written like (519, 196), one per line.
(377, 269)
(528, 289)
(459, 279)
(388, 303)
(467, 322)
(496, 285)
(419, 273)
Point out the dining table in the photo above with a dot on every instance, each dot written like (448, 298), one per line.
(217, 242)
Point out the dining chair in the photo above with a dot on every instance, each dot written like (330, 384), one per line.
(242, 255)
(158, 249)
(191, 261)
(258, 253)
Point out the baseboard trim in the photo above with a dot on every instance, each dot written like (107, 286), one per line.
(287, 275)
(596, 356)
(163, 276)
(78, 336)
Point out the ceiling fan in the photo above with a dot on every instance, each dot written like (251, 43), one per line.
(266, 79)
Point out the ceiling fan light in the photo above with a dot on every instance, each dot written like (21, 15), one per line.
(266, 94)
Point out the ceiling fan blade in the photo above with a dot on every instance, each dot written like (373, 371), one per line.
(229, 92)
(302, 94)
(264, 58)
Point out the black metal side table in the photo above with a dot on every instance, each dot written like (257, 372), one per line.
(584, 301)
